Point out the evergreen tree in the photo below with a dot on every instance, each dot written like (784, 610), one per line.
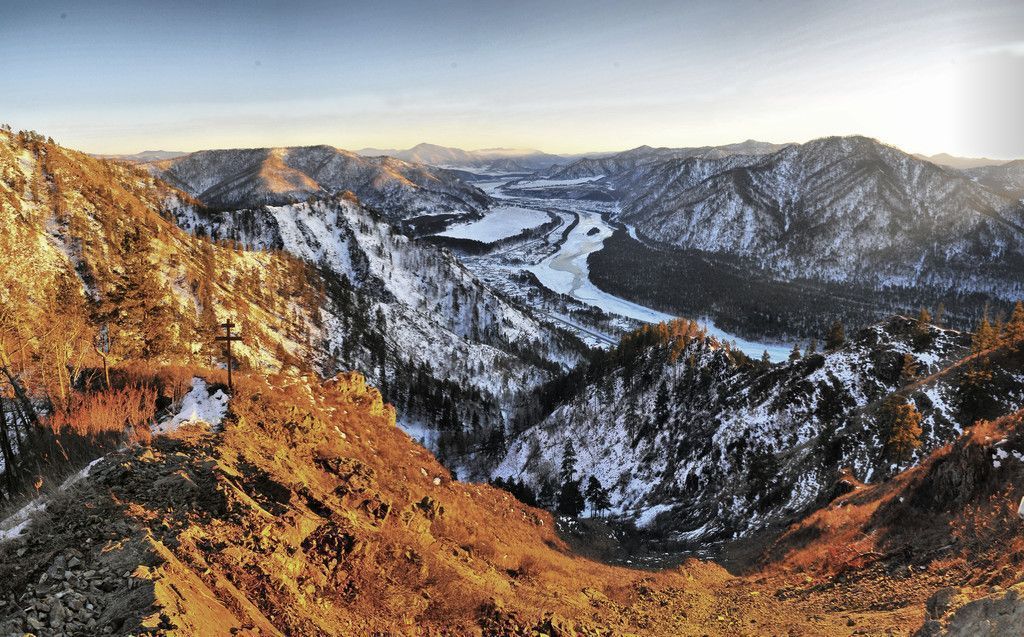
(974, 393)
(836, 336)
(922, 330)
(985, 336)
(597, 495)
(812, 347)
(905, 435)
(496, 439)
(138, 308)
(547, 494)
(908, 369)
(766, 357)
(795, 354)
(568, 462)
(1015, 326)
(661, 405)
(570, 499)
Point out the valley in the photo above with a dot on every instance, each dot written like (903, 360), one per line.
(549, 319)
(559, 260)
(490, 351)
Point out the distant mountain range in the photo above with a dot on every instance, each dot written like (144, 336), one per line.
(146, 156)
(241, 178)
(962, 163)
(492, 160)
(839, 209)
(599, 166)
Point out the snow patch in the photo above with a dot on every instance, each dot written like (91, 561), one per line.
(15, 525)
(197, 406)
(500, 223)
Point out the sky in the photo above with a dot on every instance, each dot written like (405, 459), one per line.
(565, 77)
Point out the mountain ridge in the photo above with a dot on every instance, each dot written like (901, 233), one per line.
(238, 178)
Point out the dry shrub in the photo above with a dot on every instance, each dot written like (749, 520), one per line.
(486, 549)
(453, 600)
(109, 412)
(529, 567)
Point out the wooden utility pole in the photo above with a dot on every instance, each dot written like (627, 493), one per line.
(228, 338)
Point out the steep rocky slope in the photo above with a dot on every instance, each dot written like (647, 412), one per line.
(322, 285)
(698, 445)
(435, 317)
(87, 249)
(243, 178)
(309, 512)
(949, 526)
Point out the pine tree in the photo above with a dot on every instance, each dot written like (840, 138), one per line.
(570, 499)
(546, 494)
(597, 495)
(985, 336)
(661, 405)
(1015, 326)
(905, 435)
(766, 357)
(812, 347)
(496, 439)
(908, 369)
(568, 462)
(795, 354)
(922, 331)
(974, 393)
(836, 336)
(138, 308)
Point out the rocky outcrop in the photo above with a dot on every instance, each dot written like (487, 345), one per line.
(951, 614)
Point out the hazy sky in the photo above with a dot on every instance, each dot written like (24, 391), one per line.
(559, 76)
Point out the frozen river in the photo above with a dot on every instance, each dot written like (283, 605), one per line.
(566, 272)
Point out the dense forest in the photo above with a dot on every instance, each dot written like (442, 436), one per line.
(699, 284)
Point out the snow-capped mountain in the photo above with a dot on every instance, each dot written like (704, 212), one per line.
(146, 156)
(836, 209)
(699, 445)
(487, 160)
(231, 179)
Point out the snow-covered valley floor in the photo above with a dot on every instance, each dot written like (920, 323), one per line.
(499, 223)
(561, 266)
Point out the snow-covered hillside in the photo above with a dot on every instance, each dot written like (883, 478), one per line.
(431, 312)
(696, 444)
(839, 210)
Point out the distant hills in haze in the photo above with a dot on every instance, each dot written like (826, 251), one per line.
(961, 163)
(146, 155)
(503, 160)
